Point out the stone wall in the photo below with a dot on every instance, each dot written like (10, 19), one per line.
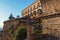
(51, 26)
(50, 6)
(7, 25)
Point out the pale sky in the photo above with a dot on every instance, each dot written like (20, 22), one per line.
(12, 6)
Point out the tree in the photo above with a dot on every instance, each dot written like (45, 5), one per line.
(18, 16)
(11, 16)
(22, 34)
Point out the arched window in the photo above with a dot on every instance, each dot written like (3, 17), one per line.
(39, 4)
(28, 10)
(39, 11)
(31, 14)
(31, 9)
(34, 6)
(34, 12)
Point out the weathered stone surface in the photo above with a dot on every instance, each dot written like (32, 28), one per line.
(50, 6)
(51, 26)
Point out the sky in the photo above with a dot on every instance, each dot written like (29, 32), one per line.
(12, 6)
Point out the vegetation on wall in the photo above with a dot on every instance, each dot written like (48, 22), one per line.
(20, 33)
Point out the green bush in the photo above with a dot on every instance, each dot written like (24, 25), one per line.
(37, 31)
(21, 34)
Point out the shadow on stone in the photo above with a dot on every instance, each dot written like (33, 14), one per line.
(45, 37)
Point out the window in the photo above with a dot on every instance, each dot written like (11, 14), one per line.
(40, 11)
(34, 12)
(39, 4)
(28, 10)
(31, 14)
(31, 9)
(34, 6)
